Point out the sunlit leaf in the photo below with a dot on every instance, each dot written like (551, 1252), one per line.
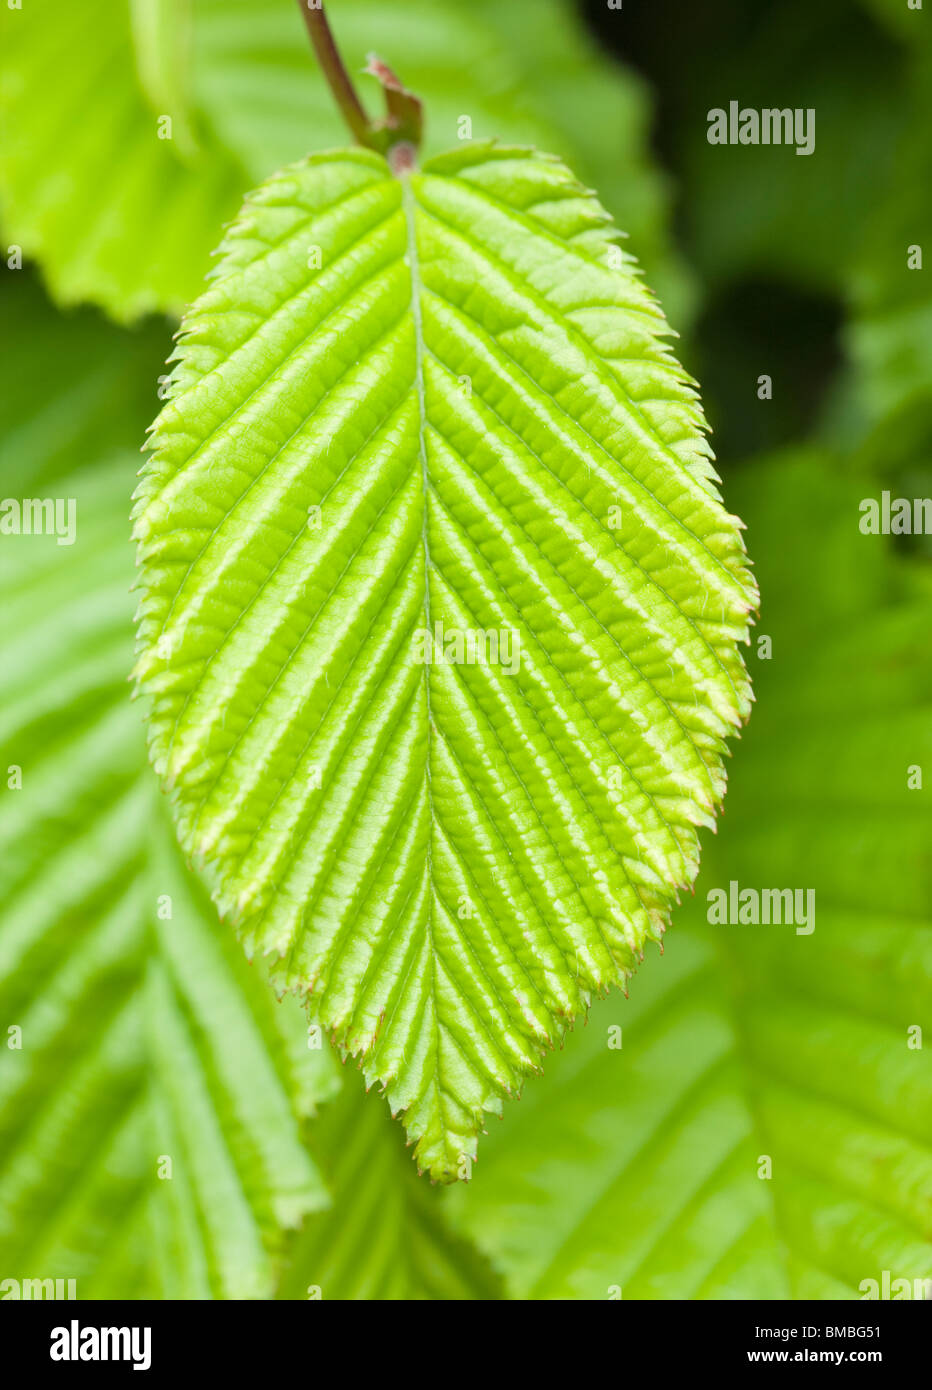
(524, 72)
(409, 414)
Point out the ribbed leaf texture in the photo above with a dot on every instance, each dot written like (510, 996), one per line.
(152, 1092)
(410, 414)
(545, 82)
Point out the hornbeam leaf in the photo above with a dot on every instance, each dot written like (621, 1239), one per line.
(228, 1088)
(163, 42)
(440, 613)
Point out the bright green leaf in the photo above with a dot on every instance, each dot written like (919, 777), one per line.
(411, 409)
(163, 42)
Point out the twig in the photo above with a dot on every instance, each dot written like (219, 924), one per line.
(398, 136)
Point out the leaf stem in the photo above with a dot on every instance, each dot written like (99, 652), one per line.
(398, 136)
(338, 79)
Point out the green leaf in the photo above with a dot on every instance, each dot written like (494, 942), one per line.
(231, 1083)
(384, 1236)
(118, 207)
(639, 1169)
(163, 42)
(462, 379)
(144, 1034)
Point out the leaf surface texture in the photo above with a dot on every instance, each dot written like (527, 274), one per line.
(406, 409)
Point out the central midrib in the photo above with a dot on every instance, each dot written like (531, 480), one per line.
(409, 205)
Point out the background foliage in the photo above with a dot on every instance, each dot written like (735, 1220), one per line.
(146, 1036)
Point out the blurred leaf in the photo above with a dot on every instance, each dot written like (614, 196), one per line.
(125, 1057)
(384, 1237)
(114, 213)
(886, 410)
(163, 33)
(232, 1075)
(751, 210)
(903, 17)
(61, 418)
(639, 1168)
